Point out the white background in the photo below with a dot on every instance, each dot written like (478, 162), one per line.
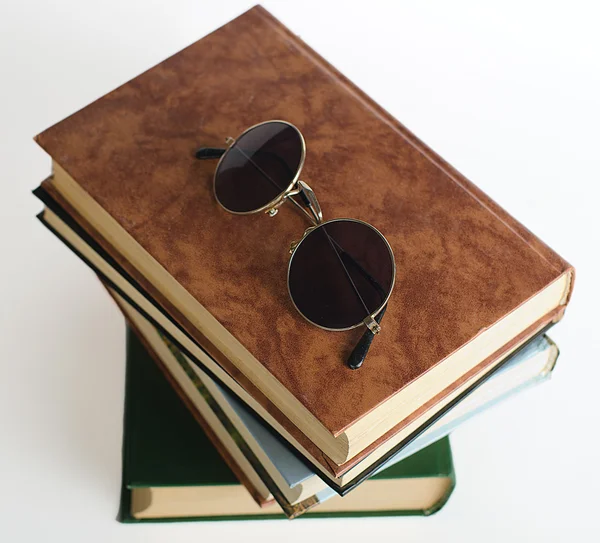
(508, 92)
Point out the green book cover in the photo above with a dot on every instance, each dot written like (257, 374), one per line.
(165, 449)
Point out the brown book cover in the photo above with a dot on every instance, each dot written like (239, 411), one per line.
(342, 478)
(463, 263)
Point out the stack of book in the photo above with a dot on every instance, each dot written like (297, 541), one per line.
(236, 406)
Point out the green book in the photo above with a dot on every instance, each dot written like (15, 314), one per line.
(173, 472)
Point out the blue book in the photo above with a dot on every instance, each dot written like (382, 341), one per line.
(294, 483)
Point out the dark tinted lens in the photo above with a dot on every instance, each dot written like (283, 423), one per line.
(260, 165)
(341, 272)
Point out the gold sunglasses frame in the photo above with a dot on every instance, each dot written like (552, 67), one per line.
(368, 321)
(295, 188)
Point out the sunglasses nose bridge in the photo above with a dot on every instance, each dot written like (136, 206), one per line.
(309, 205)
(310, 201)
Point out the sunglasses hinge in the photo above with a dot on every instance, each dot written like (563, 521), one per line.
(372, 325)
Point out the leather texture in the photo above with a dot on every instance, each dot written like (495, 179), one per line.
(462, 262)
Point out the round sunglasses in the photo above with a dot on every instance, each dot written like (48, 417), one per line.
(341, 273)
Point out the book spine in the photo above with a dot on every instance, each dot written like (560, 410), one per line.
(124, 514)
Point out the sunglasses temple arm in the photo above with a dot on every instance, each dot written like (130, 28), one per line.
(347, 258)
(205, 153)
(359, 353)
(208, 153)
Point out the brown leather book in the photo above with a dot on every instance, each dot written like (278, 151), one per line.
(471, 285)
(342, 478)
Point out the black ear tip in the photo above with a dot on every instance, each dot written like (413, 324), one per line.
(209, 152)
(359, 353)
(355, 364)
